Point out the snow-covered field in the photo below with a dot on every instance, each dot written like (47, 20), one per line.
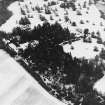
(11, 22)
(17, 87)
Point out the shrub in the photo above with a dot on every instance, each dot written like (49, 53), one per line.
(66, 13)
(38, 9)
(62, 5)
(72, 47)
(81, 22)
(79, 13)
(47, 11)
(51, 18)
(23, 12)
(101, 24)
(42, 18)
(68, 5)
(73, 24)
(93, 35)
(53, 3)
(96, 49)
(24, 21)
(87, 21)
(66, 18)
(87, 40)
(33, 9)
(99, 40)
(98, 33)
(102, 14)
(86, 31)
(102, 54)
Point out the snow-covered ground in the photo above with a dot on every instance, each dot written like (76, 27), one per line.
(17, 87)
(81, 49)
(90, 17)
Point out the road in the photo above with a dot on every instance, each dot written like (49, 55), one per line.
(17, 87)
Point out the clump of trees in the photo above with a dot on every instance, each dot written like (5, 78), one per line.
(38, 9)
(52, 3)
(47, 11)
(24, 21)
(68, 5)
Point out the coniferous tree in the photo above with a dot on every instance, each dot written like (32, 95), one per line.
(24, 21)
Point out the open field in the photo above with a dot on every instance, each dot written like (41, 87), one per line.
(4, 13)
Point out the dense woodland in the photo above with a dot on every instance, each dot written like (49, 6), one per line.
(47, 58)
